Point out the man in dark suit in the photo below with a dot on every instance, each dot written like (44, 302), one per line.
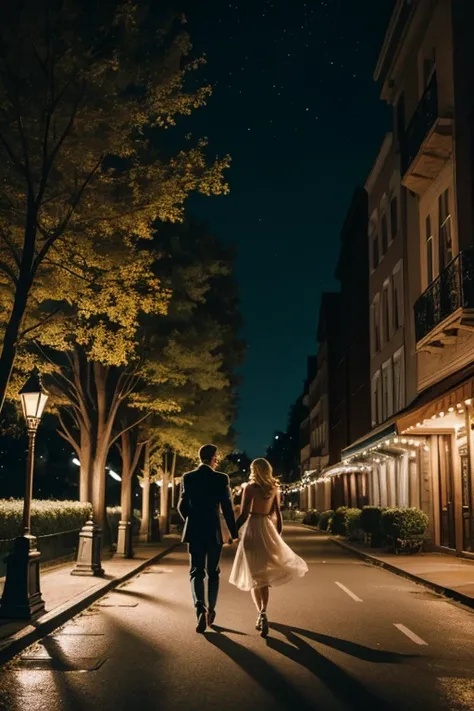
(203, 491)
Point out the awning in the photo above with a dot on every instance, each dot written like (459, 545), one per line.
(370, 440)
(341, 468)
(429, 404)
(451, 392)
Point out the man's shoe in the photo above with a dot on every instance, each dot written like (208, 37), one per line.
(201, 622)
(211, 616)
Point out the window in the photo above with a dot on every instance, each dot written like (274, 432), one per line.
(375, 325)
(375, 250)
(445, 231)
(429, 64)
(429, 250)
(386, 312)
(376, 398)
(393, 217)
(397, 297)
(398, 380)
(387, 390)
(384, 230)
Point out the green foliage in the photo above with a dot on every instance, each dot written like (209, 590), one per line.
(403, 523)
(371, 519)
(352, 523)
(338, 522)
(292, 515)
(325, 519)
(47, 517)
(311, 517)
(87, 92)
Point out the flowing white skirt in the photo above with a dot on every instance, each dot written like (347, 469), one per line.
(263, 557)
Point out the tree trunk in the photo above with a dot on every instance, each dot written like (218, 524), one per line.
(145, 532)
(10, 339)
(173, 486)
(98, 489)
(164, 502)
(85, 478)
(124, 538)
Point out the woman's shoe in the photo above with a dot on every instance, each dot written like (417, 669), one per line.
(264, 625)
(258, 624)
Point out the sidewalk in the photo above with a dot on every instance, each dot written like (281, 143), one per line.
(66, 595)
(441, 572)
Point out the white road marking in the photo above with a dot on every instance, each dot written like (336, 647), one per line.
(349, 592)
(411, 635)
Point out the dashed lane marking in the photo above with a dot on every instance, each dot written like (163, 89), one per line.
(349, 592)
(411, 635)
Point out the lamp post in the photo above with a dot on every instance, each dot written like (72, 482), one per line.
(22, 595)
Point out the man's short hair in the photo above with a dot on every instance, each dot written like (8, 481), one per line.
(207, 452)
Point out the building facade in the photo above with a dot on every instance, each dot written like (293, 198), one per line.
(426, 71)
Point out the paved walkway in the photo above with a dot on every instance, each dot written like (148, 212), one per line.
(446, 574)
(65, 595)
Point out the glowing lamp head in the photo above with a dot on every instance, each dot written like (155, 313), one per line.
(33, 399)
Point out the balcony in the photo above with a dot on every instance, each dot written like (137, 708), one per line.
(426, 143)
(447, 305)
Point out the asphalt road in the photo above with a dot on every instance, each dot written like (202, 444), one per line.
(347, 636)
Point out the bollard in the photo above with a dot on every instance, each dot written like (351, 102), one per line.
(124, 540)
(88, 555)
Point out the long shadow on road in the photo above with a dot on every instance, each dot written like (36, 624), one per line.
(284, 693)
(367, 654)
(343, 686)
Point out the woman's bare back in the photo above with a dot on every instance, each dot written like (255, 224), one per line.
(260, 504)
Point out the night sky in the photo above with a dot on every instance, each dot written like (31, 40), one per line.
(296, 107)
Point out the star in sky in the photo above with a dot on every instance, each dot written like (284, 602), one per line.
(290, 79)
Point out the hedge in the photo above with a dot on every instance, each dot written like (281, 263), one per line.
(47, 517)
(371, 519)
(352, 524)
(292, 515)
(403, 523)
(338, 522)
(325, 519)
(311, 517)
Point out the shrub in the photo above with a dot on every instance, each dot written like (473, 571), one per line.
(403, 523)
(338, 522)
(352, 523)
(293, 515)
(325, 519)
(46, 517)
(311, 517)
(371, 519)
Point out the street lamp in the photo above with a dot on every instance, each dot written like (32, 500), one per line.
(22, 595)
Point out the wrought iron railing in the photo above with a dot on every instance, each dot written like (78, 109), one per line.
(420, 124)
(453, 289)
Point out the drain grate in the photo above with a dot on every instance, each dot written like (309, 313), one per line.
(79, 664)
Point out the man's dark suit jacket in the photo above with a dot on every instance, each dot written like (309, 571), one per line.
(202, 492)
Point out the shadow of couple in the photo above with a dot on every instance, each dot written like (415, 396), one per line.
(346, 689)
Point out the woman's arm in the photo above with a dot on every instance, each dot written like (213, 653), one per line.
(277, 510)
(246, 503)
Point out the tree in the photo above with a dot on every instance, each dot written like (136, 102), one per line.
(179, 378)
(86, 89)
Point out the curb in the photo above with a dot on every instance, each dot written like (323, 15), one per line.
(440, 589)
(50, 621)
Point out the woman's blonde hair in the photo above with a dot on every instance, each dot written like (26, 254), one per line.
(261, 474)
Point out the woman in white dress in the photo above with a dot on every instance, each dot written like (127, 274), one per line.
(263, 559)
